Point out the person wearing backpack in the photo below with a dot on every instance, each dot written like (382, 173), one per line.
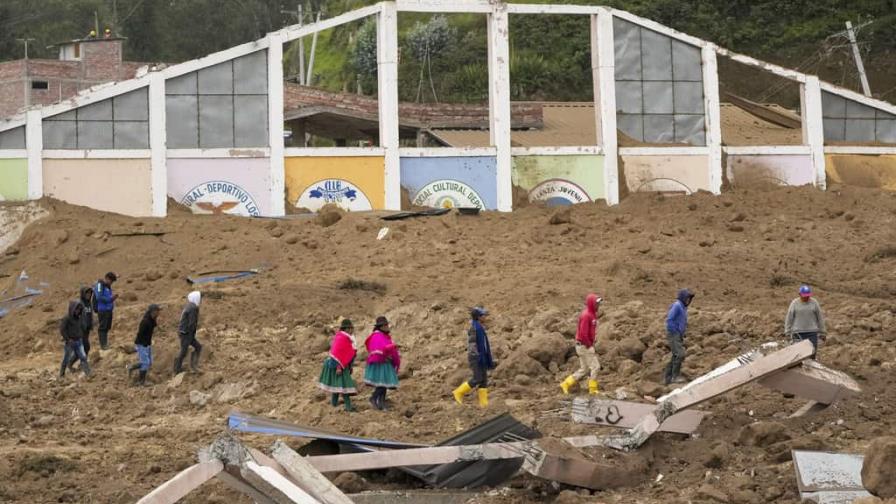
(104, 301)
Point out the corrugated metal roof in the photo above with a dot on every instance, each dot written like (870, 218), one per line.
(572, 124)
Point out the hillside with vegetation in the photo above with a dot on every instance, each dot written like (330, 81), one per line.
(443, 58)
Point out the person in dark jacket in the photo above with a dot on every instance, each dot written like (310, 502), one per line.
(676, 328)
(105, 305)
(71, 331)
(189, 323)
(143, 343)
(86, 299)
(479, 356)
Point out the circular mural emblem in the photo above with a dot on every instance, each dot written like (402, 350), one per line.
(447, 194)
(219, 197)
(558, 192)
(338, 191)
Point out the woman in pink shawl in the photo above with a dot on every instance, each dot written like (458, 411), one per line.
(336, 376)
(383, 362)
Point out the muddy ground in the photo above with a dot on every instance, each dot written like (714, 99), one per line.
(744, 253)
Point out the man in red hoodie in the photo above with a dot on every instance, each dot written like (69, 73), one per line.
(585, 339)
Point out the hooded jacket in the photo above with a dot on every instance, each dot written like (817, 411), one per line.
(189, 318)
(677, 319)
(103, 293)
(87, 311)
(70, 325)
(146, 328)
(587, 329)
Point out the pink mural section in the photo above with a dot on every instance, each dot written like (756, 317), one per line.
(675, 174)
(112, 185)
(233, 186)
(794, 170)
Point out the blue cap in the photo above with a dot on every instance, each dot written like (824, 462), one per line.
(805, 291)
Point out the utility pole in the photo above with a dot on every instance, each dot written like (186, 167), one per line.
(25, 41)
(311, 58)
(299, 16)
(858, 57)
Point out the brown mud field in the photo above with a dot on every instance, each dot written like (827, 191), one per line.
(102, 440)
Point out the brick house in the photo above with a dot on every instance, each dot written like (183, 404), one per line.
(81, 64)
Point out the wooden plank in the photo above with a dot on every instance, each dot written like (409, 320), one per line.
(183, 483)
(240, 485)
(765, 113)
(627, 414)
(813, 381)
(418, 456)
(311, 480)
(271, 483)
(810, 408)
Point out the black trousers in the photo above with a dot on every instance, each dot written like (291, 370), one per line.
(480, 375)
(187, 341)
(104, 319)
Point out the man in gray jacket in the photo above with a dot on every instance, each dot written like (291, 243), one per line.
(804, 320)
(189, 322)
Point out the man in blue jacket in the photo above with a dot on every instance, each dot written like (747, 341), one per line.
(676, 327)
(105, 304)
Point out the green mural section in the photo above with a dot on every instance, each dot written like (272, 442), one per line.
(560, 180)
(13, 179)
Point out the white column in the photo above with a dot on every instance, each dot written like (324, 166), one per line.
(713, 114)
(603, 71)
(158, 139)
(813, 127)
(34, 145)
(387, 89)
(275, 123)
(499, 101)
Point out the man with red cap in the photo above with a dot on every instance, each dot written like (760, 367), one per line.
(585, 339)
(804, 320)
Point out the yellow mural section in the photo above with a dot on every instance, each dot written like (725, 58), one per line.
(353, 183)
(862, 170)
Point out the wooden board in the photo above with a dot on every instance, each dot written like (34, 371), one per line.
(271, 483)
(417, 456)
(813, 381)
(309, 478)
(183, 483)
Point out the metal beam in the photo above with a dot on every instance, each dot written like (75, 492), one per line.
(293, 32)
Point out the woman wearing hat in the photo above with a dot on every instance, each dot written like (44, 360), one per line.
(804, 320)
(383, 362)
(479, 356)
(336, 376)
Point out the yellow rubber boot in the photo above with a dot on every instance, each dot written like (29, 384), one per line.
(567, 383)
(483, 397)
(592, 386)
(461, 391)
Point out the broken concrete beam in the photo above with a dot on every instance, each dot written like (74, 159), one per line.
(694, 394)
(562, 463)
(419, 456)
(274, 485)
(309, 478)
(183, 483)
(813, 381)
(826, 477)
(627, 414)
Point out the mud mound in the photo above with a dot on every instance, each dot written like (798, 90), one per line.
(266, 336)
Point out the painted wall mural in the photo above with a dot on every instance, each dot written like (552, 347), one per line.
(659, 173)
(233, 186)
(13, 179)
(353, 183)
(111, 185)
(450, 182)
(795, 170)
(862, 170)
(560, 180)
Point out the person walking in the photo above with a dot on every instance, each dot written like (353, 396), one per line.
(336, 375)
(72, 332)
(586, 333)
(383, 362)
(87, 301)
(105, 305)
(804, 319)
(143, 343)
(189, 323)
(479, 356)
(676, 328)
